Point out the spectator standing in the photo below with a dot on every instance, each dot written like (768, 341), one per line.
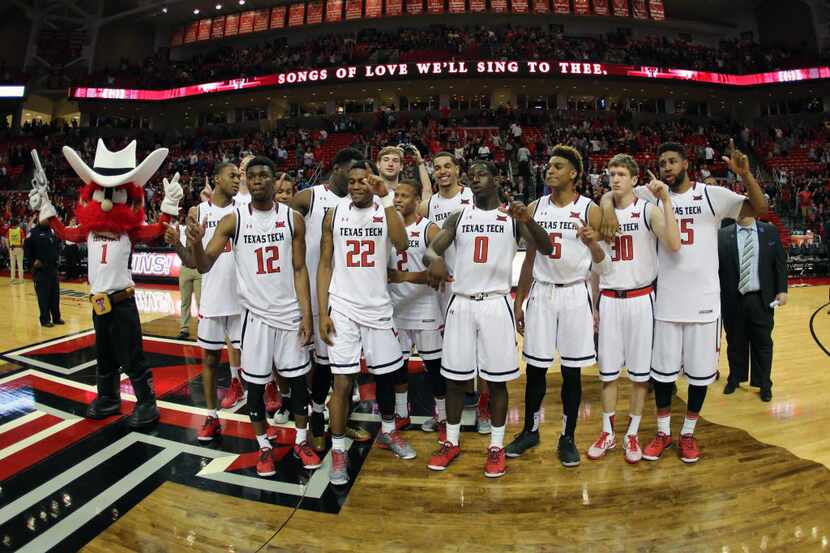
(42, 248)
(190, 283)
(15, 240)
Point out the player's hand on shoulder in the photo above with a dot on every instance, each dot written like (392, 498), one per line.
(609, 225)
(658, 188)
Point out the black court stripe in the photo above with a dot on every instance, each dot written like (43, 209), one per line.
(443, 368)
(546, 360)
(398, 360)
(813, 330)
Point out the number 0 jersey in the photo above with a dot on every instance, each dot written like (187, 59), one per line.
(263, 252)
(633, 254)
(486, 243)
(361, 247)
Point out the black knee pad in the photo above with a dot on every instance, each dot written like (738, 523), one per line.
(663, 392)
(299, 396)
(321, 382)
(385, 393)
(256, 402)
(696, 396)
(437, 381)
(402, 375)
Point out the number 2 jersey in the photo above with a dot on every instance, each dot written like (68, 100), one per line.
(634, 251)
(220, 295)
(416, 306)
(262, 248)
(688, 286)
(361, 247)
(486, 242)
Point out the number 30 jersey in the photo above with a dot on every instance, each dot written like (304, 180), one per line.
(633, 253)
(262, 247)
(361, 248)
(486, 243)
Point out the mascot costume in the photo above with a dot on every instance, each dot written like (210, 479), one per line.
(110, 213)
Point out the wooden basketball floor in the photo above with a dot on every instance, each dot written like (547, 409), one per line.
(762, 483)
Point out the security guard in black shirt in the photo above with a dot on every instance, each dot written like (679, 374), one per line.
(41, 249)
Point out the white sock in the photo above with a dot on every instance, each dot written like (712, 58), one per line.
(401, 404)
(317, 407)
(689, 424)
(301, 436)
(664, 424)
(633, 425)
(564, 423)
(235, 372)
(263, 442)
(338, 442)
(213, 413)
(608, 423)
(537, 417)
(441, 409)
(497, 436)
(387, 426)
(453, 432)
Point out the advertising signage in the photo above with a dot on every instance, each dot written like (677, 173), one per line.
(455, 69)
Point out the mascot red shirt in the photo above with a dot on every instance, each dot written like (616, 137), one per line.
(110, 213)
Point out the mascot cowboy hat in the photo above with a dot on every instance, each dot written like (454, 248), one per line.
(112, 169)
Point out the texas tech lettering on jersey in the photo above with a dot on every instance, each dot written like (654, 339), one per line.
(359, 281)
(264, 265)
(220, 293)
(570, 260)
(633, 253)
(322, 200)
(108, 263)
(486, 243)
(415, 305)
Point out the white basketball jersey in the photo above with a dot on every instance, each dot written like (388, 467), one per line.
(322, 200)
(415, 305)
(486, 243)
(242, 198)
(688, 286)
(220, 294)
(361, 249)
(634, 251)
(264, 267)
(108, 265)
(439, 208)
(570, 260)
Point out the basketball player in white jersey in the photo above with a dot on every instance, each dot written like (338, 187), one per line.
(559, 305)
(269, 252)
(626, 299)
(417, 312)
(219, 312)
(480, 332)
(687, 304)
(313, 203)
(390, 163)
(452, 195)
(355, 308)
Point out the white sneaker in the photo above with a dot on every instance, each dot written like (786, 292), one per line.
(483, 426)
(604, 443)
(281, 415)
(633, 451)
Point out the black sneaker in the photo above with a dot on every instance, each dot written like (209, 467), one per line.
(523, 441)
(568, 454)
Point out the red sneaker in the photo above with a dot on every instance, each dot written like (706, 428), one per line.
(234, 395)
(306, 455)
(689, 451)
(496, 464)
(442, 458)
(658, 445)
(265, 465)
(604, 443)
(211, 429)
(272, 398)
(402, 422)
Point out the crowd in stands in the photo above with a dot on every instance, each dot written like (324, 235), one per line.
(441, 43)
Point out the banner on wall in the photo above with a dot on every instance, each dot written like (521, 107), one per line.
(581, 7)
(261, 20)
(414, 7)
(354, 9)
(519, 6)
(601, 7)
(638, 9)
(296, 15)
(394, 8)
(478, 6)
(246, 22)
(541, 6)
(232, 24)
(435, 6)
(217, 27)
(314, 13)
(457, 6)
(656, 10)
(498, 6)
(621, 8)
(374, 8)
(562, 6)
(178, 37)
(204, 29)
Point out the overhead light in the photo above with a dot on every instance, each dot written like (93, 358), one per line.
(218, 6)
(164, 10)
(241, 2)
(196, 11)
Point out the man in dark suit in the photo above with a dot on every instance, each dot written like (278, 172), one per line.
(753, 275)
(41, 247)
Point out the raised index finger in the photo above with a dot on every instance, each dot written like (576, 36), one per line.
(651, 175)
